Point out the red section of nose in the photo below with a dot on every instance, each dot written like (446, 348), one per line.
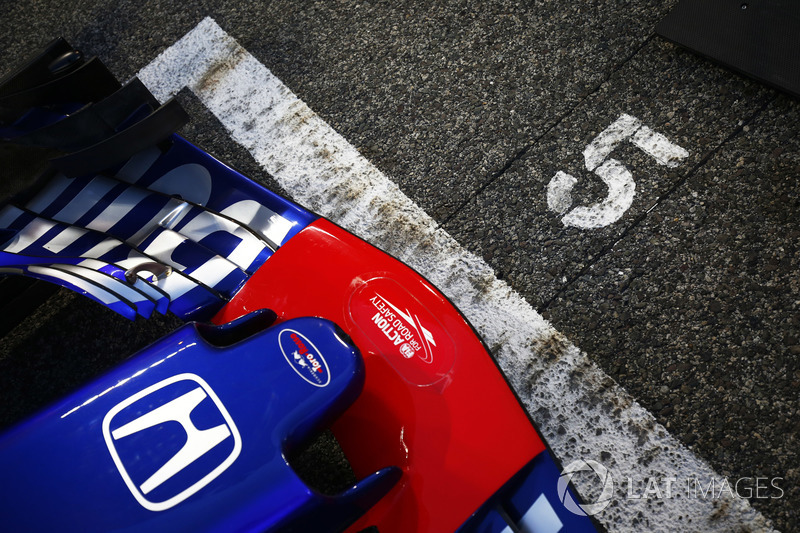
(434, 402)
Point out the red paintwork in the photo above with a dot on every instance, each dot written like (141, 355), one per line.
(434, 404)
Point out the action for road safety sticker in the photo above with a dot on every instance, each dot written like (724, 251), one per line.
(403, 331)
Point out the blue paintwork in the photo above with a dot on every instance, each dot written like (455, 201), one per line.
(228, 186)
(63, 469)
(535, 485)
(82, 465)
(183, 174)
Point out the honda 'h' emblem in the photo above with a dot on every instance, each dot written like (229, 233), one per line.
(157, 446)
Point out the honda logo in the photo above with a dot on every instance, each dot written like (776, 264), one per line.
(170, 440)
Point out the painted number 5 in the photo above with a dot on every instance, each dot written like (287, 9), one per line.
(618, 179)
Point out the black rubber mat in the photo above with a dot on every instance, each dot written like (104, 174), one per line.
(758, 38)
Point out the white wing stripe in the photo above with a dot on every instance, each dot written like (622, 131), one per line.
(84, 200)
(57, 185)
(107, 282)
(32, 232)
(68, 236)
(99, 293)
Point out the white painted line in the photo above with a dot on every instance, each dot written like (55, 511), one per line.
(559, 192)
(322, 171)
(621, 190)
(618, 179)
(659, 147)
(601, 146)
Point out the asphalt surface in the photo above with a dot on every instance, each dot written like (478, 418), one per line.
(689, 301)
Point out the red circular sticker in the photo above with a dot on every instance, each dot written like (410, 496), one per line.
(403, 330)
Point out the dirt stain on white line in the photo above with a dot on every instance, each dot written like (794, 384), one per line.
(582, 413)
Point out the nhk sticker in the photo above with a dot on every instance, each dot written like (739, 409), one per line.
(403, 331)
(304, 358)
